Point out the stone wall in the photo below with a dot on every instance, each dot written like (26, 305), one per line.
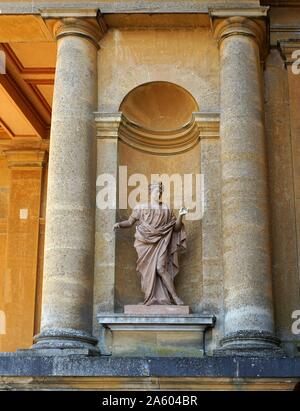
(22, 205)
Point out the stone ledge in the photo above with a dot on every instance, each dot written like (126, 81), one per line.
(161, 335)
(187, 319)
(121, 6)
(18, 365)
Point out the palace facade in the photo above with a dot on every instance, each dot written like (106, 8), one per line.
(154, 87)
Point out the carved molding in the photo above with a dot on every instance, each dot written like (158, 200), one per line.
(286, 48)
(75, 22)
(26, 144)
(208, 125)
(116, 125)
(107, 125)
(26, 158)
(251, 12)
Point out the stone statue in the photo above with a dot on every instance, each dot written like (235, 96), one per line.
(158, 237)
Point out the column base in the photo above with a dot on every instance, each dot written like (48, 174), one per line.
(56, 341)
(250, 343)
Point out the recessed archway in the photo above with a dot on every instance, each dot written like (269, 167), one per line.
(159, 106)
(158, 119)
(158, 135)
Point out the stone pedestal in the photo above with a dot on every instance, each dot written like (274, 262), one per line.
(159, 335)
(141, 309)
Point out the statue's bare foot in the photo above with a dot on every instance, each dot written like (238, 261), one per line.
(178, 301)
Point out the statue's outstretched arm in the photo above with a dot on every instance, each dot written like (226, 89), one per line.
(125, 224)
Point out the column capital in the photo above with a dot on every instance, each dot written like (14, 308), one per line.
(245, 22)
(84, 23)
(91, 29)
(26, 158)
(286, 48)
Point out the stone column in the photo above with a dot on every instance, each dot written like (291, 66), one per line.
(70, 215)
(107, 125)
(249, 323)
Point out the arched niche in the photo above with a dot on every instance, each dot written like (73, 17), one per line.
(159, 106)
(158, 134)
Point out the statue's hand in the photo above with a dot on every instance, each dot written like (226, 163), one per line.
(183, 211)
(116, 226)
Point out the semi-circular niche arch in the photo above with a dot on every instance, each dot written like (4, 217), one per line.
(158, 118)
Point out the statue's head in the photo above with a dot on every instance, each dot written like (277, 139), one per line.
(156, 189)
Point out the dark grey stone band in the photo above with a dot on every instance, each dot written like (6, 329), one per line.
(18, 364)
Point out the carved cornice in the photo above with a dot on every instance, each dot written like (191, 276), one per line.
(76, 12)
(27, 144)
(25, 158)
(250, 12)
(107, 125)
(114, 7)
(286, 48)
(116, 125)
(88, 24)
(208, 125)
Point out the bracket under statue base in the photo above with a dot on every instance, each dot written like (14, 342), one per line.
(152, 334)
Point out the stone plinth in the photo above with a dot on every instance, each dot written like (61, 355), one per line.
(162, 335)
(141, 309)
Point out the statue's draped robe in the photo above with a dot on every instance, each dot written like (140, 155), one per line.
(157, 244)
